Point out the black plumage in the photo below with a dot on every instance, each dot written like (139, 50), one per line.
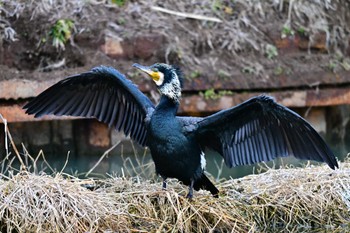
(254, 131)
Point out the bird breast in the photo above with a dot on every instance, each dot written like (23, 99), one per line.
(166, 137)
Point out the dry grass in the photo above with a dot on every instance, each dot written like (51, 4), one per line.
(291, 199)
(241, 29)
(310, 198)
(34, 203)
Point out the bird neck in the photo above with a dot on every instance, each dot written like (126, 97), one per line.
(167, 105)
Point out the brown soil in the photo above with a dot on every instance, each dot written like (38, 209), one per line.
(244, 44)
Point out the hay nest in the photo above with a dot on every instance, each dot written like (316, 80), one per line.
(292, 199)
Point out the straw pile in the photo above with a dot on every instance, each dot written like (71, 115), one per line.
(313, 198)
(293, 199)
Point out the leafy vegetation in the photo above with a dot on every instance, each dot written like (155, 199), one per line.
(213, 94)
(271, 51)
(278, 70)
(61, 32)
(338, 62)
(195, 74)
(248, 70)
(302, 31)
(119, 3)
(222, 74)
(287, 31)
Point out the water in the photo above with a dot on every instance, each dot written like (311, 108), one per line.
(140, 163)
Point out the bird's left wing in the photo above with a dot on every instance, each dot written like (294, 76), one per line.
(103, 93)
(261, 130)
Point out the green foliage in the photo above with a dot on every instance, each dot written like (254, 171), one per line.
(333, 65)
(278, 70)
(119, 3)
(301, 31)
(61, 32)
(121, 21)
(209, 94)
(338, 62)
(336, 65)
(271, 51)
(217, 5)
(212, 94)
(248, 70)
(287, 31)
(222, 74)
(223, 6)
(195, 74)
(224, 92)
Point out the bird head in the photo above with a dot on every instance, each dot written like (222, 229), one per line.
(168, 79)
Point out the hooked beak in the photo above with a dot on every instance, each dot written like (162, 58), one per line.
(155, 75)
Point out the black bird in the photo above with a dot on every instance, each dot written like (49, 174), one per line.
(254, 131)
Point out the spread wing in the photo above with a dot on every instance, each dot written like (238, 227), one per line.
(261, 130)
(103, 93)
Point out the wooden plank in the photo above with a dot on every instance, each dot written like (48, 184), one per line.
(15, 113)
(308, 98)
(196, 104)
(18, 88)
(23, 88)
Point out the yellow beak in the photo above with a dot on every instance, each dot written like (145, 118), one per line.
(155, 75)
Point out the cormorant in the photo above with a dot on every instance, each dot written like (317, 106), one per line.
(257, 130)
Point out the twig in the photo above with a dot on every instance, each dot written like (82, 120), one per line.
(8, 134)
(102, 157)
(5, 131)
(65, 163)
(186, 15)
(54, 66)
(27, 155)
(41, 153)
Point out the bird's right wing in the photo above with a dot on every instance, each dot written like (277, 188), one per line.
(103, 93)
(260, 130)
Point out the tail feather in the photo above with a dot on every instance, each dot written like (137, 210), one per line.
(205, 183)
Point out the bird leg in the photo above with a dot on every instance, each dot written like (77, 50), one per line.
(190, 190)
(164, 182)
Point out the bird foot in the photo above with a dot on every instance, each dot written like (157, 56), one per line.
(164, 185)
(189, 196)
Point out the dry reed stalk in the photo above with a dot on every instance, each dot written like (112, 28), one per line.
(290, 199)
(296, 199)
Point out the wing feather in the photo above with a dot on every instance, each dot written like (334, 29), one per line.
(73, 104)
(261, 130)
(103, 93)
(39, 107)
(110, 108)
(64, 105)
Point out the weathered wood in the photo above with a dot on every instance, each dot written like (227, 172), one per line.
(307, 98)
(15, 113)
(291, 44)
(23, 88)
(197, 104)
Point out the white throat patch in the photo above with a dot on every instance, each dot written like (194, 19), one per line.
(172, 89)
(160, 80)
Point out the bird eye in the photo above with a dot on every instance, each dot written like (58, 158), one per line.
(154, 69)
